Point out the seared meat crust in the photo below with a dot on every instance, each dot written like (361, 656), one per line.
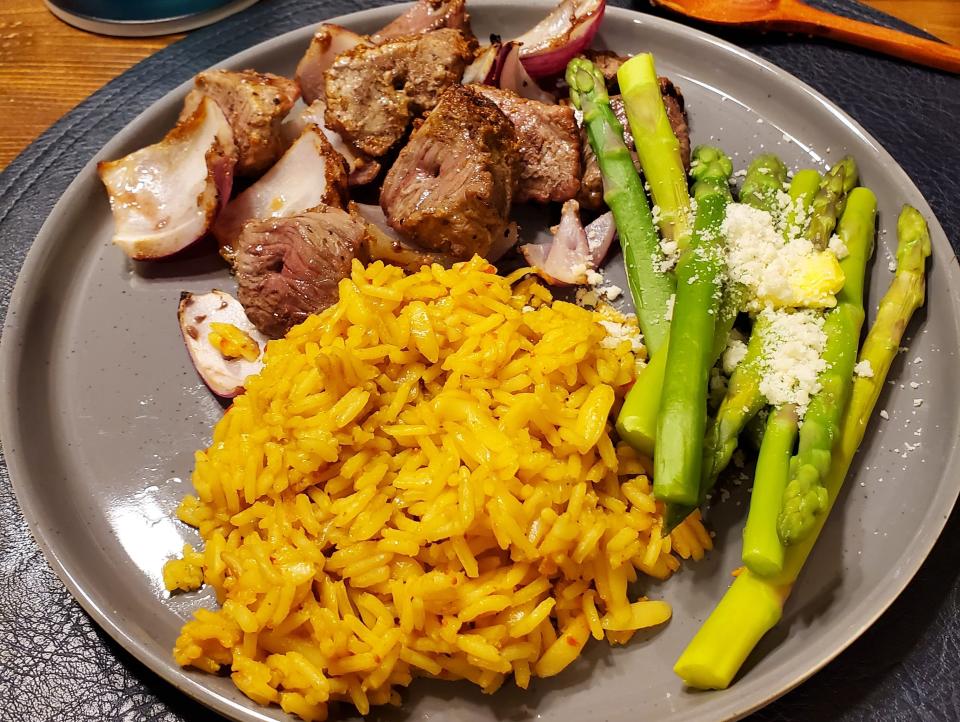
(255, 105)
(289, 268)
(424, 16)
(452, 186)
(549, 146)
(373, 93)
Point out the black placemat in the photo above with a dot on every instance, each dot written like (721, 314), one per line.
(56, 664)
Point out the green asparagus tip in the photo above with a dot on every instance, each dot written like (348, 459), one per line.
(711, 169)
(805, 500)
(914, 234)
(710, 162)
(584, 77)
(851, 174)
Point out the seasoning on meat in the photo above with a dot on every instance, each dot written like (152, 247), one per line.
(452, 186)
(255, 105)
(373, 93)
(327, 43)
(549, 146)
(424, 16)
(289, 268)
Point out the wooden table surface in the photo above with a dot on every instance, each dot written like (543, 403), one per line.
(47, 67)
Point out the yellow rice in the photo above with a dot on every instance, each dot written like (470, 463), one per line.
(422, 482)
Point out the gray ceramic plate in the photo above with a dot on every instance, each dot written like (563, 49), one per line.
(102, 412)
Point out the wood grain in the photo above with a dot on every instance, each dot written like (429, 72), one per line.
(47, 67)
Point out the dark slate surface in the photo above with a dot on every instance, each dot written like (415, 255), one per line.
(56, 664)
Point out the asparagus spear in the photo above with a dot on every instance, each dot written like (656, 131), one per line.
(657, 147)
(805, 497)
(742, 402)
(743, 399)
(637, 420)
(829, 201)
(683, 406)
(765, 178)
(803, 187)
(623, 193)
(753, 604)
(762, 550)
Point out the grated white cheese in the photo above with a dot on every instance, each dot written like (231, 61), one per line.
(594, 278)
(760, 258)
(864, 369)
(733, 354)
(671, 254)
(669, 312)
(885, 416)
(617, 333)
(612, 292)
(792, 356)
(838, 247)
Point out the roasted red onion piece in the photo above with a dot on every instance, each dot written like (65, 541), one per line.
(328, 42)
(385, 244)
(224, 376)
(567, 258)
(309, 174)
(563, 34)
(362, 168)
(483, 69)
(167, 195)
(600, 234)
(424, 16)
(512, 75)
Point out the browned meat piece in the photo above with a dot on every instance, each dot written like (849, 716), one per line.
(451, 187)
(549, 146)
(673, 103)
(289, 268)
(591, 184)
(255, 105)
(424, 16)
(309, 174)
(327, 43)
(374, 92)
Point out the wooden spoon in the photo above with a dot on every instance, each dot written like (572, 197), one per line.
(798, 17)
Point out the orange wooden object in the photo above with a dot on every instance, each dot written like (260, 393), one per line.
(798, 17)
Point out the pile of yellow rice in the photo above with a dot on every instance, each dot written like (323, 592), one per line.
(422, 482)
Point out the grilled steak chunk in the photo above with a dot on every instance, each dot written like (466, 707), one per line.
(591, 184)
(327, 43)
(374, 92)
(549, 146)
(424, 16)
(289, 268)
(255, 105)
(451, 187)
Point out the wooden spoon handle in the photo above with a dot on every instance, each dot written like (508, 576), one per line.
(795, 16)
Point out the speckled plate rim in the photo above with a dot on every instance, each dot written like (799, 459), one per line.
(751, 693)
